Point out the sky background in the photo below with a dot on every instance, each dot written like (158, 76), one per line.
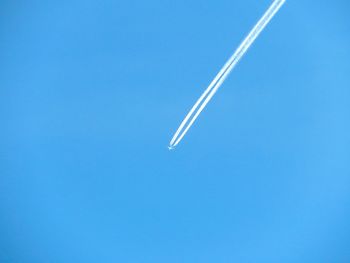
(91, 93)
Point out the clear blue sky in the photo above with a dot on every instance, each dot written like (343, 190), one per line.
(92, 91)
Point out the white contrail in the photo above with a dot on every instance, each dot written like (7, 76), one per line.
(223, 73)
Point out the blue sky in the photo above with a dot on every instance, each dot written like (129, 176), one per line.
(92, 91)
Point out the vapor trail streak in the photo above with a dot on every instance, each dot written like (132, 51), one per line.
(223, 73)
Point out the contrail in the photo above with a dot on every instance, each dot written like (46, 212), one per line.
(223, 73)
